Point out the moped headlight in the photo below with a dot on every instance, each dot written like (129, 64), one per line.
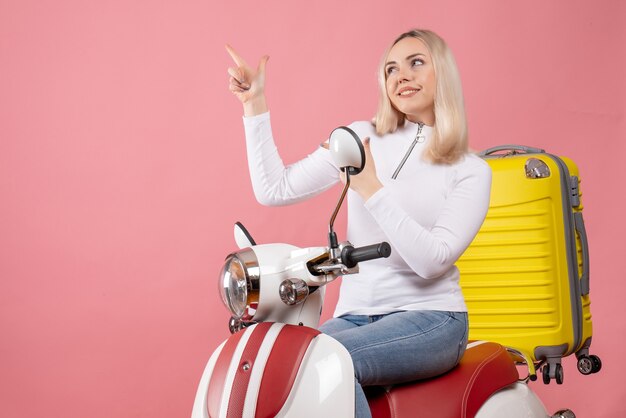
(238, 284)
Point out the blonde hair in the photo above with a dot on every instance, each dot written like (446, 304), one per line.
(449, 141)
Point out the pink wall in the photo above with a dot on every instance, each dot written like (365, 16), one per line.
(122, 169)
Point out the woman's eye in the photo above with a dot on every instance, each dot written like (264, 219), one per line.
(417, 62)
(391, 70)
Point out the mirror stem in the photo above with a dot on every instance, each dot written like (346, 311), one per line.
(332, 237)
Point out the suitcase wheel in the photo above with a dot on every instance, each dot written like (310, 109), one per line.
(589, 364)
(564, 413)
(546, 374)
(558, 373)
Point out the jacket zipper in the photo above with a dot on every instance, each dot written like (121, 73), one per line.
(418, 138)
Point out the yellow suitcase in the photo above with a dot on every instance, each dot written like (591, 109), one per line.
(525, 276)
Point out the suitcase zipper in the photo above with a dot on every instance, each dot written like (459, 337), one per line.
(418, 139)
(570, 245)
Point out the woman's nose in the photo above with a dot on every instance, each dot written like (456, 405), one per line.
(403, 76)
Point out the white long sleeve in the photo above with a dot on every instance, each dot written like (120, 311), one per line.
(432, 252)
(429, 214)
(272, 182)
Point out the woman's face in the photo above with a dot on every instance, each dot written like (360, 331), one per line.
(411, 80)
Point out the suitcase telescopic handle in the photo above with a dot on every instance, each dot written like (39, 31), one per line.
(579, 224)
(515, 149)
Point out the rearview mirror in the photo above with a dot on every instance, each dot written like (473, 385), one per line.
(243, 239)
(347, 150)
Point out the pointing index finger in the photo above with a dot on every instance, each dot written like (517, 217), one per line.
(238, 60)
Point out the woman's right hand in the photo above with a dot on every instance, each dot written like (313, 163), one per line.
(248, 84)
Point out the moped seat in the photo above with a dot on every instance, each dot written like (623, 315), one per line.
(485, 368)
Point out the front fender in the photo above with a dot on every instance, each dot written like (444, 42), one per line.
(277, 370)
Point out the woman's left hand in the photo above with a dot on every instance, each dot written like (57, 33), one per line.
(366, 183)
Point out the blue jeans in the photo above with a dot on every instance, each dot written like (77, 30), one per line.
(399, 347)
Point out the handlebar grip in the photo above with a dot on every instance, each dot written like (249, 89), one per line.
(351, 256)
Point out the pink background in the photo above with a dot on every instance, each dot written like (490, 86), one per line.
(122, 170)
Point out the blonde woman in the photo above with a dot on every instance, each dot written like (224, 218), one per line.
(401, 318)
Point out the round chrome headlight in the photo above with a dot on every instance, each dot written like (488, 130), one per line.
(238, 284)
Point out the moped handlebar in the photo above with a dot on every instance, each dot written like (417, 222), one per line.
(351, 256)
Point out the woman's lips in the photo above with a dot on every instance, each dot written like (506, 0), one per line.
(408, 92)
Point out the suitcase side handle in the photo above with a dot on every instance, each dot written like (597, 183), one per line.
(579, 224)
(513, 149)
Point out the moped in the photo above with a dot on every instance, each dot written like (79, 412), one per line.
(277, 364)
